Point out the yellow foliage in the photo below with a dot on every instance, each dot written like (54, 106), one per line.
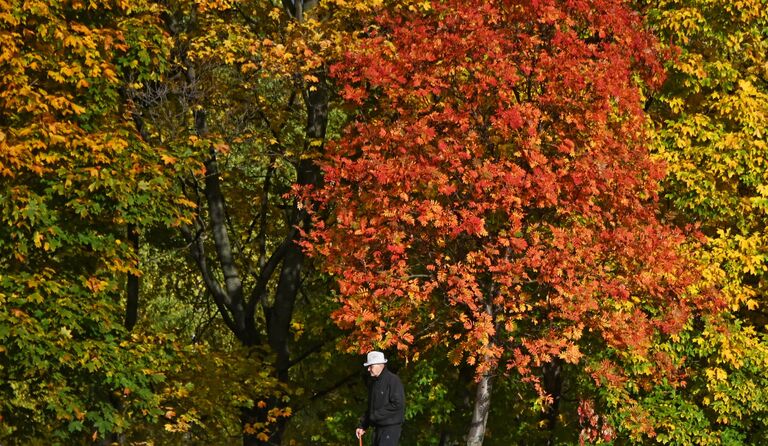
(711, 130)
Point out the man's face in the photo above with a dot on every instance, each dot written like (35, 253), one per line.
(375, 369)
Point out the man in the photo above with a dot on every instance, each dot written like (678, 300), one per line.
(386, 403)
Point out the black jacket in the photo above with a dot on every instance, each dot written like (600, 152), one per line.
(386, 401)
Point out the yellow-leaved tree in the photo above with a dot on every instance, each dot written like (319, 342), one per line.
(75, 177)
(711, 118)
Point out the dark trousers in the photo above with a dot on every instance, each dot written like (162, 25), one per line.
(387, 435)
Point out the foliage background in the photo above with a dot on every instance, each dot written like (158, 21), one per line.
(103, 176)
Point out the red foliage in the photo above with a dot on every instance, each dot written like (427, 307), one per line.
(495, 193)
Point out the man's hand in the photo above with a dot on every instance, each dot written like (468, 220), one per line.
(359, 432)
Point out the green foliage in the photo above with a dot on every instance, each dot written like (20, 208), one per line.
(73, 174)
(68, 369)
(718, 400)
(429, 392)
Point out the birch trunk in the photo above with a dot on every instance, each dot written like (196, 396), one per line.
(480, 412)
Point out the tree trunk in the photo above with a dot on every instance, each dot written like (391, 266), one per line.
(280, 314)
(480, 412)
(484, 386)
(553, 385)
(236, 309)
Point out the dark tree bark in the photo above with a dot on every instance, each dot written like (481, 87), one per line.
(280, 314)
(553, 384)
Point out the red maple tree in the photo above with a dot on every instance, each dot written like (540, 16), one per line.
(494, 193)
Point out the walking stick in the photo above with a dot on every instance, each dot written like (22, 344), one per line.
(361, 440)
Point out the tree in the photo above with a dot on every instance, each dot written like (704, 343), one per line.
(710, 117)
(248, 98)
(495, 195)
(74, 175)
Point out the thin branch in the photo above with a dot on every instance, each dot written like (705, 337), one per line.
(314, 349)
(253, 24)
(335, 386)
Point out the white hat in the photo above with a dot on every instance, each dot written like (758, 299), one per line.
(375, 358)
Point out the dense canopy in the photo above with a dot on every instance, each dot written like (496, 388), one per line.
(549, 214)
